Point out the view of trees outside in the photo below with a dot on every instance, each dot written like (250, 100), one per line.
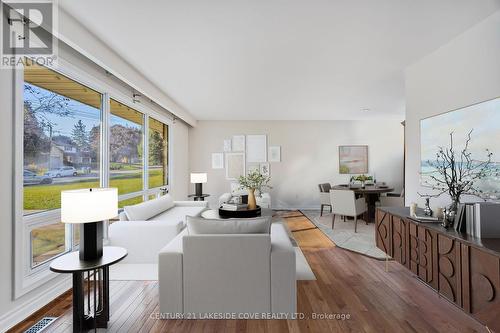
(125, 148)
(61, 147)
(158, 154)
(61, 151)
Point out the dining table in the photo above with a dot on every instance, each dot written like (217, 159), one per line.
(370, 193)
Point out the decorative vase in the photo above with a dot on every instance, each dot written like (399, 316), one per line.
(252, 204)
(450, 213)
(427, 208)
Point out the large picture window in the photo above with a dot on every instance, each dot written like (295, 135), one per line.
(76, 136)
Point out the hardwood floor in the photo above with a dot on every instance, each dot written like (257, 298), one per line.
(347, 284)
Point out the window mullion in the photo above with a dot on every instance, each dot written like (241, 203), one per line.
(145, 154)
(105, 115)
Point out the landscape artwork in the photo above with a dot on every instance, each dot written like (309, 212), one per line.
(483, 120)
(353, 159)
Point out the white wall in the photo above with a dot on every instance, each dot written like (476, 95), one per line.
(463, 72)
(309, 153)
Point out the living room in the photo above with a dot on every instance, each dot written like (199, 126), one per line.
(320, 166)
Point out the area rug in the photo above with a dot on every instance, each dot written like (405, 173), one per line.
(343, 235)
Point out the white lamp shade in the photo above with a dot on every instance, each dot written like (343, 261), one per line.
(198, 178)
(89, 205)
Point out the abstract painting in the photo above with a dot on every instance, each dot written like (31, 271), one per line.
(353, 159)
(483, 119)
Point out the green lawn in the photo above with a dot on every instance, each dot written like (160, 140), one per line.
(48, 241)
(45, 197)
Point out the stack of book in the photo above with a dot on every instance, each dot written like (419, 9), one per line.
(480, 219)
(234, 206)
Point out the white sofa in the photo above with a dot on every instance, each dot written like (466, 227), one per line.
(236, 272)
(144, 229)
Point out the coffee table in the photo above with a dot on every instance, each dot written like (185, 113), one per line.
(211, 214)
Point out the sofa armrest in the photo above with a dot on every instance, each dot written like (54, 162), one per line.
(191, 203)
(122, 216)
(170, 277)
(283, 271)
(143, 239)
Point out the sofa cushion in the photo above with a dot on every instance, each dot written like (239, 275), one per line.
(199, 226)
(148, 209)
(178, 214)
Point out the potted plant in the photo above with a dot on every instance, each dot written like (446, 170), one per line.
(362, 179)
(254, 181)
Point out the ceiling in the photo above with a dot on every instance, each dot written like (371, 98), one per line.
(279, 59)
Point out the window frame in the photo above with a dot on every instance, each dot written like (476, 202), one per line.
(26, 277)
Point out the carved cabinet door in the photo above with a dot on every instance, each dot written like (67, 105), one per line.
(383, 231)
(399, 240)
(413, 250)
(482, 284)
(427, 254)
(449, 269)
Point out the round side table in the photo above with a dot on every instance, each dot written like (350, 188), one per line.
(90, 294)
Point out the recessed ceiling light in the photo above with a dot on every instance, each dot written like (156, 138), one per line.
(366, 110)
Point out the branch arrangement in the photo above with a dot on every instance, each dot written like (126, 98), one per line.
(458, 172)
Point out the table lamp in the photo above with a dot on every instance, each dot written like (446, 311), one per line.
(198, 179)
(89, 207)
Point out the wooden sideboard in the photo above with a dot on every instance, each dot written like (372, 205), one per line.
(463, 269)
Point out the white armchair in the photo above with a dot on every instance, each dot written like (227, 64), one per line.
(228, 273)
(346, 204)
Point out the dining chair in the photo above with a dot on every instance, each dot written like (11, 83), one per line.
(324, 196)
(346, 204)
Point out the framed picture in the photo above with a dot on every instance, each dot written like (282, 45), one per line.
(265, 169)
(353, 159)
(217, 161)
(238, 143)
(227, 145)
(256, 148)
(235, 165)
(483, 119)
(274, 153)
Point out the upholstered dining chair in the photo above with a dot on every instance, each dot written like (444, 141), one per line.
(324, 196)
(346, 204)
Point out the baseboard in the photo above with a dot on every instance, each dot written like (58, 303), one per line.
(30, 306)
